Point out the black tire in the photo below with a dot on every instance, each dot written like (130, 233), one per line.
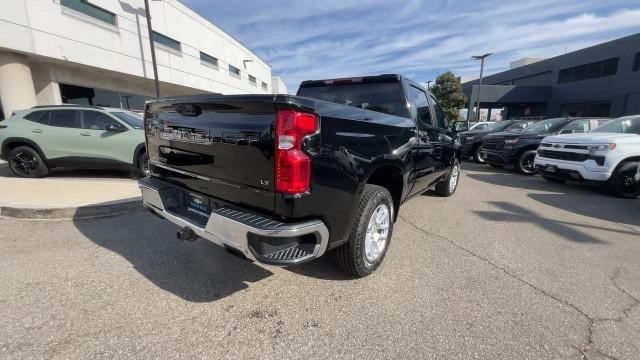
(478, 156)
(497, 166)
(445, 188)
(26, 162)
(554, 180)
(143, 165)
(351, 256)
(622, 183)
(525, 163)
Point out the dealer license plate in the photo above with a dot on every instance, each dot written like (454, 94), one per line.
(198, 204)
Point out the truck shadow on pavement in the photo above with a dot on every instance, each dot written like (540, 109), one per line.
(579, 199)
(198, 271)
(322, 268)
(572, 231)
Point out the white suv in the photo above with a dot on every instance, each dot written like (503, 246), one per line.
(608, 155)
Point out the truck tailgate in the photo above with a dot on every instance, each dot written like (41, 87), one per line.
(221, 146)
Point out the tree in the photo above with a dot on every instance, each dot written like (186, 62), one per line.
(448, 91)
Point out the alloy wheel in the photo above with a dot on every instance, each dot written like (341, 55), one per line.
(527, 164)
(24, 163)
(377, 233)
(453, 178)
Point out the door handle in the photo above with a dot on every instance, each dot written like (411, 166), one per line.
(85, 134)
(37, 131)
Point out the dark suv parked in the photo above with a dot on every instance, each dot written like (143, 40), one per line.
(472, 140)
(518, 149)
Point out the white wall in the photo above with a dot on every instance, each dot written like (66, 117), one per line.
(278, 85)
(50, 31)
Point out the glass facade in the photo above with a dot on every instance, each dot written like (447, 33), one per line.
(80, 95)
(83, 6)
(586, 110)
(589, 71)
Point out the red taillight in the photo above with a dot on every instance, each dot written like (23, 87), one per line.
(293, 166)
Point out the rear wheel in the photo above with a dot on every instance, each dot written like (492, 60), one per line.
(525, 163)
(371, 233)
(143, 165)
(622, 183)
(448, 186)
(479, 157)
(25, 161)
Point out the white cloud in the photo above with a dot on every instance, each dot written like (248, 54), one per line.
(337, 38)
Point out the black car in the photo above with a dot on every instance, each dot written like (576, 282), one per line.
(518, 149)
(472, 140)
(285, 179)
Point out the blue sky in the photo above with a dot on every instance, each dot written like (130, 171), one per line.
(321, 39)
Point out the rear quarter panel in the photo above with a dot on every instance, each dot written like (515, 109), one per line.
(353, 143)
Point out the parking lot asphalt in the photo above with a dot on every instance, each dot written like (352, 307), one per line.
(509, 267)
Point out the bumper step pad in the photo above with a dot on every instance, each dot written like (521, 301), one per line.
(249, 219)
(289, 254)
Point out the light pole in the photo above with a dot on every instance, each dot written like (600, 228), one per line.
(429, 84)
(481, 58)
(153, 48)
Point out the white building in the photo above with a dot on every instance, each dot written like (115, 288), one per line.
(97, 52)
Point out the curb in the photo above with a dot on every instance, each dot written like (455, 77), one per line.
(72, 213)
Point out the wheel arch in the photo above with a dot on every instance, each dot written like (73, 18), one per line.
(139, 150)
(389, 176)
(527, 148)
(11, 143)
(627, 159)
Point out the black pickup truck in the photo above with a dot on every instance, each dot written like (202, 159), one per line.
(471, 141)
(284, 179)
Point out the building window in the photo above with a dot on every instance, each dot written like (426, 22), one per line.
(166, 41)
(95, 12)
(234, 71)
(589, 71)
(252, 80)
(636, 62)
(586, 110)
(265, 87)
(80, 95)
(208, 60)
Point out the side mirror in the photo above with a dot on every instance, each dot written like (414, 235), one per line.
(115, 128)
(566, 131)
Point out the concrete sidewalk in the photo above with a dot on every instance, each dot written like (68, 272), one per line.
(64, 192)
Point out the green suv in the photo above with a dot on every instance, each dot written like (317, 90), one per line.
(87, 137)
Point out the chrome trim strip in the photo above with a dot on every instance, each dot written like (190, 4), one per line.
(225, 231)
(187, 173)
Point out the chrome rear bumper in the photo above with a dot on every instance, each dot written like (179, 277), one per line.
(257, 237)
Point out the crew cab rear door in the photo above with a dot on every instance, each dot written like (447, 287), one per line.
(425, 153)
(443, 143)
